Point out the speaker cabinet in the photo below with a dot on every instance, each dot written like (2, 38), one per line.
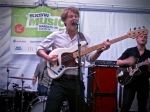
(102, 89)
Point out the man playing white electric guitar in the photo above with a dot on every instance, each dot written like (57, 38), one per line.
(66, 83)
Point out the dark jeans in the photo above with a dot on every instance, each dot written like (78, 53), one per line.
(142, 89)
(64, 88)
(42, 90)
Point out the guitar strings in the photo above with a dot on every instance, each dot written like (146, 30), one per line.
(67, 58)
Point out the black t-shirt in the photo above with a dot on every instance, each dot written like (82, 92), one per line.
(133, 51)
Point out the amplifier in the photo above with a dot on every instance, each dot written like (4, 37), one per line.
(105, 63)
(102, 87)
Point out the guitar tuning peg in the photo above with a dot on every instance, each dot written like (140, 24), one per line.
(143, 26)
(139, 27)
(134, 28)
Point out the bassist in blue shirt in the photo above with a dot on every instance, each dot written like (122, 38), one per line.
(139, 83)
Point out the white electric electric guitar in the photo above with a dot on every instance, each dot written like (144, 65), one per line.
(67, 57)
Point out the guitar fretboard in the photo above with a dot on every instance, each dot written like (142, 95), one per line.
(88, 50)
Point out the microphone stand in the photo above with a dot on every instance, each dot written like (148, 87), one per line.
(79, 69)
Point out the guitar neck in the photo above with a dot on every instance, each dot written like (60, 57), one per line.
(88, 50)
(140, 64)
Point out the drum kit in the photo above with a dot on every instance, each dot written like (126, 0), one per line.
(26, 99)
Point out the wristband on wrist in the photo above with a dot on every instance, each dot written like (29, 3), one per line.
(99, 51)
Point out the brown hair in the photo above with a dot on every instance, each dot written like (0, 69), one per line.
(65, 12)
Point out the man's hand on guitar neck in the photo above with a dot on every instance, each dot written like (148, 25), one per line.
(95, 55)
(106, 45)
(147, 63)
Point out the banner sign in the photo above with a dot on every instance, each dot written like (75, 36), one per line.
(31, 25)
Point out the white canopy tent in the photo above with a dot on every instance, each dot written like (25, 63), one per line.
(100, 20)
(20, 3)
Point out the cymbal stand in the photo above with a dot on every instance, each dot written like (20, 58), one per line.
(22, 98)
(15, 88)
(7, 91)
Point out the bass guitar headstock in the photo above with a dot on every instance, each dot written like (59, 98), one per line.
(133, 34)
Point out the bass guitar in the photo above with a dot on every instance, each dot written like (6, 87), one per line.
(67, 57)
(125, 75)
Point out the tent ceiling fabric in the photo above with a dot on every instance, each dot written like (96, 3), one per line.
(129, 6)
(120, 3)
(21, 3)
(103, 5)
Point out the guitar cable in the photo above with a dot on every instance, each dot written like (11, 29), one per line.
(52, 70)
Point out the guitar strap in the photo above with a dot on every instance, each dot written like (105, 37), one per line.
(43, 73)
(82, 37)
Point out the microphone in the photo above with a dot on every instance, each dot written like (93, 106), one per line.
(90, 74)
(75, 22)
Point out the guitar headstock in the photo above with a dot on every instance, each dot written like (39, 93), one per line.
(133, 34)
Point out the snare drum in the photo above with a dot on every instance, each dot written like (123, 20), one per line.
(28, 96)
(39, 103)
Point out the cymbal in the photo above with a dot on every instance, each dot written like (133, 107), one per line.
(23, 78)
(8, 66)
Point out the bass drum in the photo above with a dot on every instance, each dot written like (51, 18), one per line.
(39, 103)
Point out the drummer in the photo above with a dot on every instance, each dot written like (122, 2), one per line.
(44, 80)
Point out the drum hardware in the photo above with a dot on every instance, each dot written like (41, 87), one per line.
(22, 82)
(25, 86)
(4, 95)
(7, 70)
(22, 90)
(28, 96)
(39, 103)
(22, 87)
(65, 106)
